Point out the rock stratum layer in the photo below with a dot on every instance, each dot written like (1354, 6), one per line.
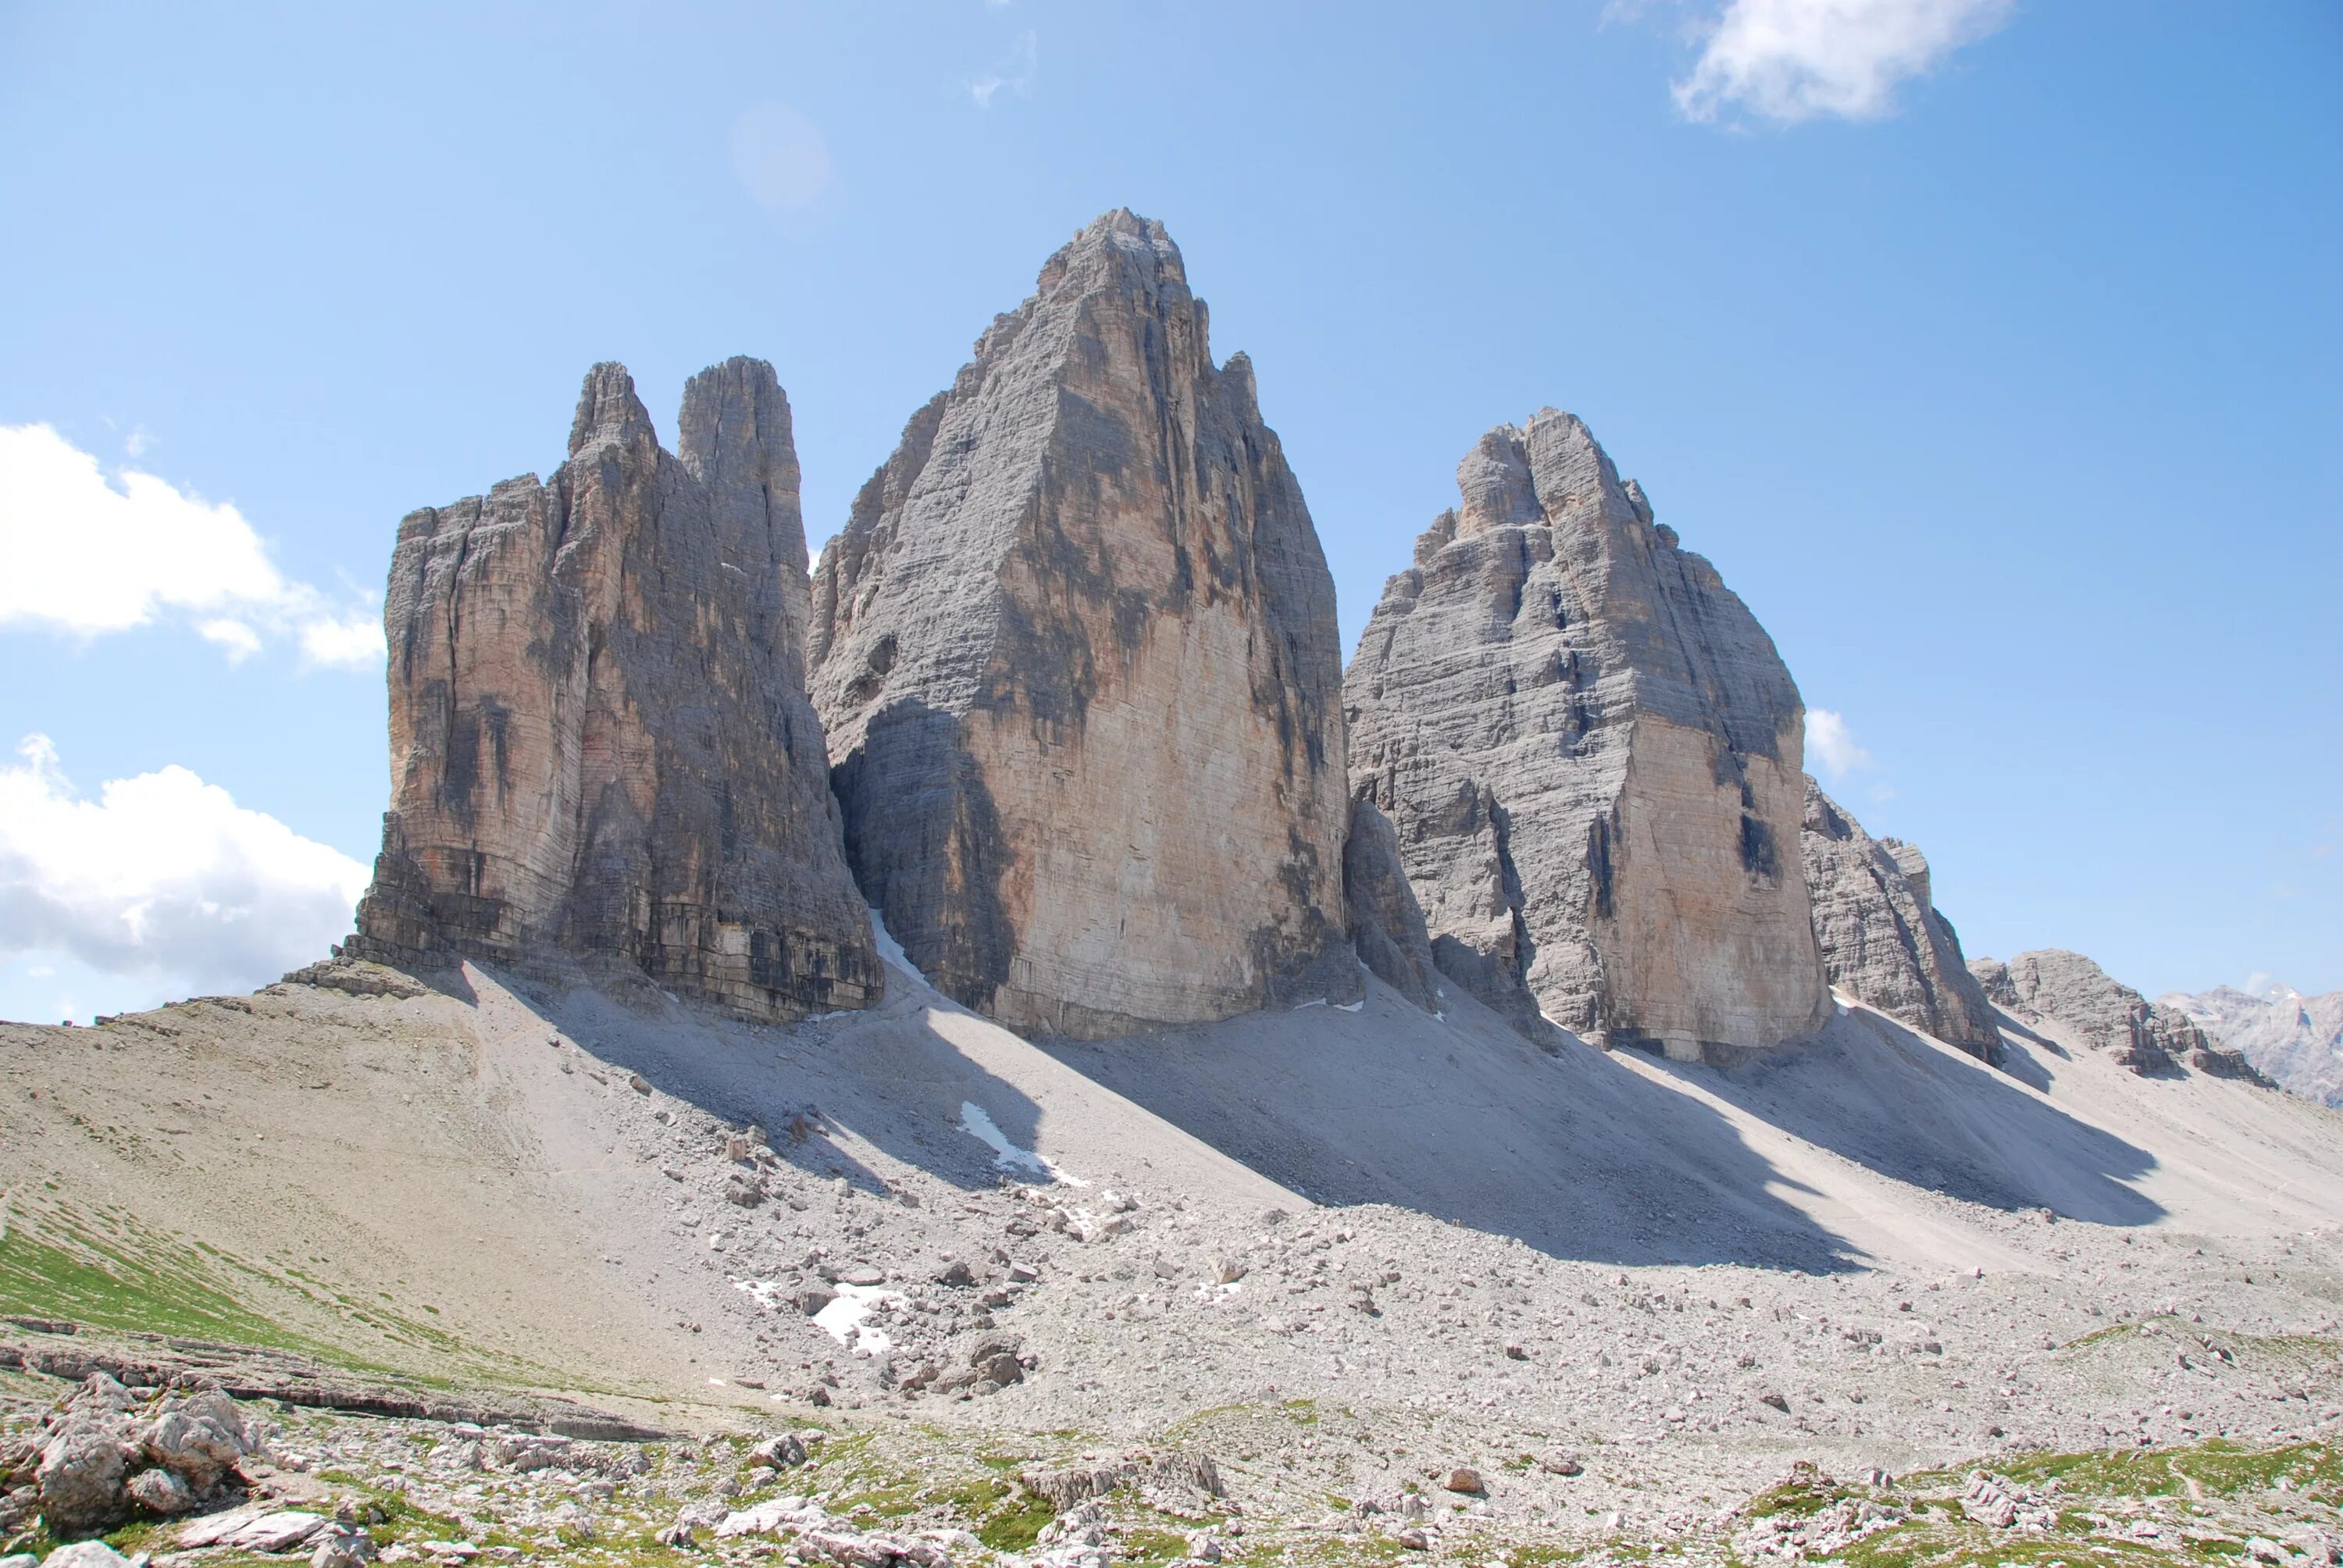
(2148, 1037)
(1593, 757)
(1076, 652)
(1882, 939)
(600, 740)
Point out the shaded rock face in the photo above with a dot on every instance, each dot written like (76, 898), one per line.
(1593, 758)
(2148, 1038)
(1378, 910)
(599, 735)
(1076, 652)
(2294, 1042)
(1882, 939)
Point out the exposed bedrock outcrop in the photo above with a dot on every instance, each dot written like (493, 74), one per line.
(1380, 909)
(600, 739)
(1592, 758)
(1076, 653)
(2148, 1037)
(1883, 941)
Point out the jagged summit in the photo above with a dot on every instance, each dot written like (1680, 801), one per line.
(1593, 758)
(600, 740)
(1076, 651)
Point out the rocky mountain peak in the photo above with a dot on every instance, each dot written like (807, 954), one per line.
(600, 740)
(2150, 1039)
(608, 412)
(1075, 650)
(1595, 802)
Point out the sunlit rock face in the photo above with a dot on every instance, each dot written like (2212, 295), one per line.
(600, 739)
(1593, 757)
(1076, 653)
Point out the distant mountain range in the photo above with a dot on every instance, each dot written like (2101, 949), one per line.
(2295, 1040)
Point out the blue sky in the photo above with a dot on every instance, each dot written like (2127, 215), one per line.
(1993, 352)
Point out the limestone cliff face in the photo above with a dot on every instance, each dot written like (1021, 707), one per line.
(2148, 1037)
(1883, 941)
(1076, 652)
(1593, 758)
(599, 735)
(1380, 909)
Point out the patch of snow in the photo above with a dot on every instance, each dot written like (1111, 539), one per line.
(977, 1123)
(892, 950)
(1320, 1002)
(842, 1319)
(1351, 1006)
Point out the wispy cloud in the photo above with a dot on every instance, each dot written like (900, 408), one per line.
(161, 875)
(1830, 742)
(86, 557)
(1014, 76)
(1792, 60)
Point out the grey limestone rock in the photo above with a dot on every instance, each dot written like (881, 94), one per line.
(2148, 1037)
(1593, 757)
(1385, 923)
(2294, 1040)
(1882, 937)
(601, 738)
(1076, 652)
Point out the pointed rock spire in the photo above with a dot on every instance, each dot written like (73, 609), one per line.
(1592, 758)
(1076, 651)
(600, 741)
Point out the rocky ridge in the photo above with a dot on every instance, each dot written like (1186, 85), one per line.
(600, 739)
(2295, 1041)
(1076, 651)
(1593, 757)
(2146, 1038)
(1883, 939)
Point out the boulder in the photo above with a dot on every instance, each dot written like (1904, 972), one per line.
(163, 1493)
(195, 1445)
(599, 735)
(84, 1465)
(1594, 760)
(1075, 650)
(85, 1554)
(1883, 941)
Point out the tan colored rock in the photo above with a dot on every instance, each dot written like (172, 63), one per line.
(1593, 760)
(600, 740)
(1076, 652)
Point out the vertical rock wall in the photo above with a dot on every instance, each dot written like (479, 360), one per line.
(1881, 939)
(1076, 652)
(600, 739)
(1593, 757)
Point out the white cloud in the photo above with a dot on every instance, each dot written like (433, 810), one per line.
(1832, 744)
(1016, 73)
(86, 557)
(1791, 60)
(162, 876)
(780, 156)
